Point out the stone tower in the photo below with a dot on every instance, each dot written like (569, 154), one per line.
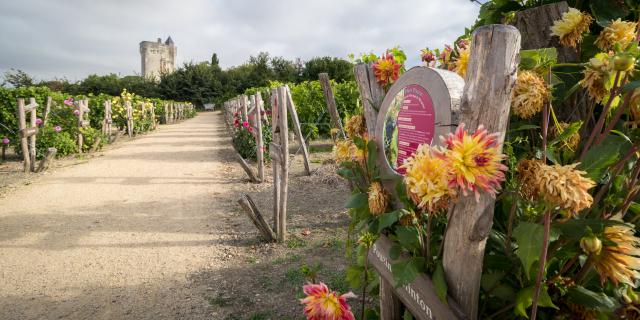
(157, 57)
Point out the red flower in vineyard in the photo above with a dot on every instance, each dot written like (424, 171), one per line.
(427, 56)
(235, 114)
(250, 129)
(76, 112)
(475, 160)
(321, 304)
(38, 122)
(69, 102)
(245, 124)
(386, 69)
(5, 141)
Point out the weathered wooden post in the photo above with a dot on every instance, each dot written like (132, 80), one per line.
(154, 124)
(331, 103)
(27, 134)
(48, 157)
(129, 110)
(491, 74)
(296, 128)
(165, 115)
(106, 122)
(371, 94)
(47, 110)
(83, 107)
(257, 99)
(279, 152)
(244, 105)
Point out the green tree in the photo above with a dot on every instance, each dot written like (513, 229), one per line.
(338, 69)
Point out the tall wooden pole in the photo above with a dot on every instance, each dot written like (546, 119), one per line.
(284, 163)
(331, 103)
(298, 131)
(24, 144)
(371, 94)
(32, 139)
(491, 74)
(257, 100)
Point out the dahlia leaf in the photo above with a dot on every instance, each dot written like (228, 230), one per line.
(440, 283)
(606, 10)
(585, 297)
(388, 219)
(404, 272)
(529, 238)
(357, 201)
(602, 156)
(408, 237)
(525, 297)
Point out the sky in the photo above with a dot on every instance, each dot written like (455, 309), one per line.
(74, 38)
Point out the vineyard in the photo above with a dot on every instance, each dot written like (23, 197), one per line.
(497, 179)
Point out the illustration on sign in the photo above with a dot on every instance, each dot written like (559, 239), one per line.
(409, 122)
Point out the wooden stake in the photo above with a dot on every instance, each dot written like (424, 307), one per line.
(48, 156)
(296, 128)
(491, 74)
(129, 110)
(257, 100)
(247, 168)
(331, 103)
(24, 144)
(256, 217)
(284, 163)
(47, 110)
(32, 139)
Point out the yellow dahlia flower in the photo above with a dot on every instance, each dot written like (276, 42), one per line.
(427, 179)
(386, 69)
(596, 74)
(377, 199)
(356, 154)
(618, 260)
(355, 126)
(474, 160)
(564, 186)
(571, 27)
(529, 94)
(342, 151)
(620, 32)
(461, 63)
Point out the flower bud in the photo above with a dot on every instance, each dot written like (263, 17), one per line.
(591, 245)
(623, 62)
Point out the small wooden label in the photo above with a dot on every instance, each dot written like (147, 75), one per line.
(419, 296)
(28, 132)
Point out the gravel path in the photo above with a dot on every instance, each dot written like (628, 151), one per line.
(119, 237)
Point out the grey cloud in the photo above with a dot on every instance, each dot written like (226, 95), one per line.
(74, 38)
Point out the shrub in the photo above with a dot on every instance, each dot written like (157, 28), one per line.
(48, 137)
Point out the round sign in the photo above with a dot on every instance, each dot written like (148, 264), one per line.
(417, 110)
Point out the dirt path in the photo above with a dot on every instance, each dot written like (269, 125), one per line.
(120, 236)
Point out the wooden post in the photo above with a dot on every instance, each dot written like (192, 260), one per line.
(129, 110)
(491, 74)
(371, 94)
(284, 163)
(47, 110)
(24, 144)
(154, 124)
(256, 217)
(296, 128)
(257, 99)
(106, 124)
(331, 103)
(534, 26)
(32, 138)
(83, 107)
(275, 153)
(390, 305)
(243, 104)
(247, 168)
(49, 155)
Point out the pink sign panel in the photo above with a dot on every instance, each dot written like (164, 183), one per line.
(410, 122)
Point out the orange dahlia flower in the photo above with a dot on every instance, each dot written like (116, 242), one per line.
(321, 304)
(386, 69)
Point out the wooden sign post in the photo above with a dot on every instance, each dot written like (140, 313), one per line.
(331, 103)
(28, 134)
(129, 110)
(491, 74)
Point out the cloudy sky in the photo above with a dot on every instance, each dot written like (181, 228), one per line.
(74, 38)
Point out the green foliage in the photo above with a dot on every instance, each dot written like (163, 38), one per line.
(62, 141)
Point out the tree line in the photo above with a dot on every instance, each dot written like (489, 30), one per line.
(198, 82)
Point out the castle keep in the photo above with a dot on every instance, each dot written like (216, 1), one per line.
(157, 57)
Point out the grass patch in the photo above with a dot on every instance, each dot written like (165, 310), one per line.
(295, 242)
(287, 259)
(321, 148)
(218, 301)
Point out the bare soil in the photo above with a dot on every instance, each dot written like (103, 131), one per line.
(150, 229)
